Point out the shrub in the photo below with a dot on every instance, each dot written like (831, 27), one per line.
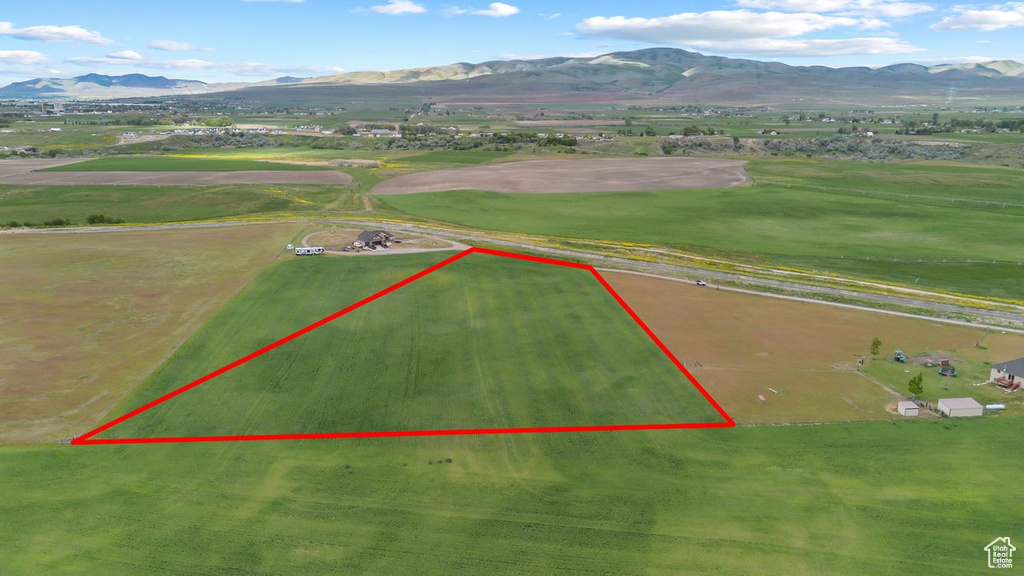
(103, 219)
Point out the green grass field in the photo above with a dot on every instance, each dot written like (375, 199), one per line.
(936, 226)
(280, 153)
(69, 138)
(148, 204)
(491, 342)
(919, 497)
(174, 164)
(486, 342)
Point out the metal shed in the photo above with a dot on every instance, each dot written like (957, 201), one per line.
(960, 407)
(907, 408)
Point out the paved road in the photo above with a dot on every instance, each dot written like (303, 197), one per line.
(725, 276)
(628, 265)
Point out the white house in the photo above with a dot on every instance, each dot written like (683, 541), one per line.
(1009, 375)
(960, 407)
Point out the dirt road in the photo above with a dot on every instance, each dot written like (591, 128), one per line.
(623, 264)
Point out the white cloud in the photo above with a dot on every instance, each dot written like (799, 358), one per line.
(120, 60)
(172, 46)
(73, 33)
(957, 60)
(716, 25)
(125, 55)
(810, 47)
(263, 70)
(399, 7)
(23, 57)
(495, 10)
(995, 17)
(257, 69)
(748, 32)
(886, 8)
(872, 24)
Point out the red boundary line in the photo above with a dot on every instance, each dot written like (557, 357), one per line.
(729, 422)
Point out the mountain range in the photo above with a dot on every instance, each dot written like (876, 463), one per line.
(654, 74)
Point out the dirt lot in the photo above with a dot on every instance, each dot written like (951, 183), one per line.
(739, 345)
(569, 176)
(24, 172)
(87, 316)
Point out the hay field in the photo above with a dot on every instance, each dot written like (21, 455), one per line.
(183, 178)
(565, 176)
(901, 498)
(485, 342)
(745, 344)
(178, 163)
(883, 497)
(138, 204)
(162, 171)
(930, 226)
(88, 316)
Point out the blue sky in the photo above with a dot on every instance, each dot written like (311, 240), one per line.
(249, 40)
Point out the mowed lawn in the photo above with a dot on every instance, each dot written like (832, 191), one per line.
(931, 225)
(920, 497)
(485, 342)
(175, 164)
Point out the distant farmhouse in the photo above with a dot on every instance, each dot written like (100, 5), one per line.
(375, 238)
(1008, 375)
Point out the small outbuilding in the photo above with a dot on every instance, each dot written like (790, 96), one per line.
(1008, 375)
(907, 408)
(960, 407)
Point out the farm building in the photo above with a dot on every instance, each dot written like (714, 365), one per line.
(907, 408)
(1008, 375)
(960, 407)
(375, 237)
